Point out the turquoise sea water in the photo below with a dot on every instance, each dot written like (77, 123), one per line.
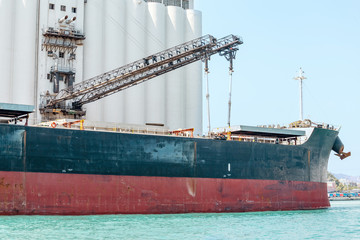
(341, 221)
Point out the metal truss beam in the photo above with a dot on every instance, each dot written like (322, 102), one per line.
(142, 70)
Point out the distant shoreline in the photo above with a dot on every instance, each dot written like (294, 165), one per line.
(343, 198)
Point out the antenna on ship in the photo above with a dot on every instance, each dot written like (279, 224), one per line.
(301, 77)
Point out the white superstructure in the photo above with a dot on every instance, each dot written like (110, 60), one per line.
(50, 45)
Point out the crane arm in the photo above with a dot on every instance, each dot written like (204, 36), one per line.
(142, 70)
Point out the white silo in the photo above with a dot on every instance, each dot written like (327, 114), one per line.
(114, 54)
(44, 59)
(116, 32)
(135, 49)
(79, 26)
(6, 48)
(93, 51)
(193, 76)
(24, 52)
(191, 4)
(175, 106)
(155, 88)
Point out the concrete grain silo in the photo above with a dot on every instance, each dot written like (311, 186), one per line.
(135, 49)
(155, 103)
(18, 51)
(6, 50)
(94, 51)
(175, 80)
(52, 45)
(193, 75)
(114, 36)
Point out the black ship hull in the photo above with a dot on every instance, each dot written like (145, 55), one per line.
(64, 171)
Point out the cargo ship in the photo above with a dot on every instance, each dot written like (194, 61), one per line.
(76, 167)
(71, 167)
(54, 169)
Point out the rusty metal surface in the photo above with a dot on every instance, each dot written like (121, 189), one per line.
(64, 171)
(77, 194)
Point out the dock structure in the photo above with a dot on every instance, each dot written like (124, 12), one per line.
(15, 112)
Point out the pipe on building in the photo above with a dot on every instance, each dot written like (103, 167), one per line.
(71, 20)
(61, 20)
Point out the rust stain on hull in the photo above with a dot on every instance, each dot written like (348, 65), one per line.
(76, 194)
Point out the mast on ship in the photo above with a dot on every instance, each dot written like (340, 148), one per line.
(301, 77)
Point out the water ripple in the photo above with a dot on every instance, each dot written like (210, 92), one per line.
(340, 221)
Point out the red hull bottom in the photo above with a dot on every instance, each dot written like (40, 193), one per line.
(78, 194)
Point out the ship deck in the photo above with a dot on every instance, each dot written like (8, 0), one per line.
(262, 131)
(260, 134)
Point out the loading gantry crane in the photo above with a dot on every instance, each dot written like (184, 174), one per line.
(71, 99)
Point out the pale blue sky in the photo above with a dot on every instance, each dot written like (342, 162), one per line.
(322, 37)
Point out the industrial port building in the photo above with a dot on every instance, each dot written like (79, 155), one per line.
(50, 45)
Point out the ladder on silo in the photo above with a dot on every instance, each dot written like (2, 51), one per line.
(140, 71)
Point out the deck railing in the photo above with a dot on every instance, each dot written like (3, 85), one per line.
(161, 130)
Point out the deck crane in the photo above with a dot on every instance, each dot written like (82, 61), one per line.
(137, 72)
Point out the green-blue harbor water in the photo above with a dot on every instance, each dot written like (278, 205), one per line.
(341, 221)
